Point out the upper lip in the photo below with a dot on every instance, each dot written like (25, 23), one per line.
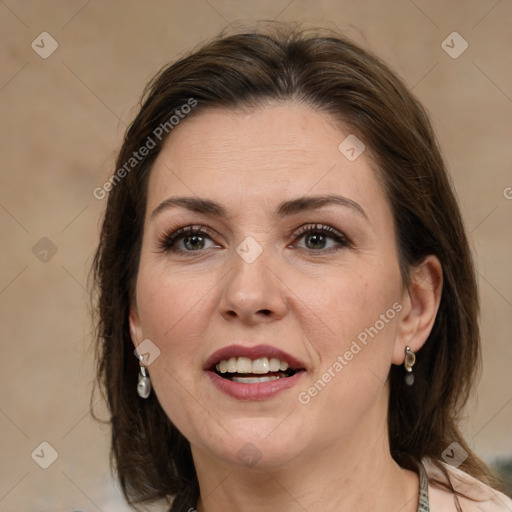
(254, 352)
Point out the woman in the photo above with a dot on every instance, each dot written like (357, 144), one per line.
(283, 249)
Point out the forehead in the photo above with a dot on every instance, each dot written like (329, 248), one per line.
(260, 157)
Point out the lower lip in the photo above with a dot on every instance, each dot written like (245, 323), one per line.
(256, 391)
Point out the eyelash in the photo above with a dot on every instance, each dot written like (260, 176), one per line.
(168, 242)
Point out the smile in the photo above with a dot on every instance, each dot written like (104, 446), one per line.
(242, 369)
(254, 373)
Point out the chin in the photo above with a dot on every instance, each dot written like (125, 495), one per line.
(260, 443)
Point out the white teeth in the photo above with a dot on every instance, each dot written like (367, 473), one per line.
(254, 380)
(223, 366)
(243, 365)
(232, 365)
(260, 366)
(274, 364)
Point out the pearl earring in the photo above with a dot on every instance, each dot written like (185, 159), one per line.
(143, 384)
(410, 359)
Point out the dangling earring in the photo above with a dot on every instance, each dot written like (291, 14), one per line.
(410, 359)
(143, 384)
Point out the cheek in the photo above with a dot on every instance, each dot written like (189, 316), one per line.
(169, 301)
(356, 326)
(349, 305)
(356, 322)
(172, 311)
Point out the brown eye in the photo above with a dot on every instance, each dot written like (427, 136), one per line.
(187, 239)
(320, 238)
(316, 241)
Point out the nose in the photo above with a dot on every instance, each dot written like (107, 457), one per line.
(253, 292)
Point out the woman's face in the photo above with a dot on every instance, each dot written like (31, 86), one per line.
(295, 263)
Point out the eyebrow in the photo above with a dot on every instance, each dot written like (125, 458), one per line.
(285, 209)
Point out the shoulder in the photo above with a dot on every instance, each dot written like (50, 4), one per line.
(477, 496)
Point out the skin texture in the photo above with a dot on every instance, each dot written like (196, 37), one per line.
(310, 301)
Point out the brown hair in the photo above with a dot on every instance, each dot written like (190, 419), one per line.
(332, 74)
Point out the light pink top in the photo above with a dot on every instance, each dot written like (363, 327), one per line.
(485, 498)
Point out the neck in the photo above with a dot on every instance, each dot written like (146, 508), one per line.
(356, 475)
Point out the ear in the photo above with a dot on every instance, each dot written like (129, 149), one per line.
(135, 328)
(420, 305)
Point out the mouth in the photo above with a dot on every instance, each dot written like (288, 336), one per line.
(247, 371)
(253, 373)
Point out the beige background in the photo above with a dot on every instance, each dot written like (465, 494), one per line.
(62, 120)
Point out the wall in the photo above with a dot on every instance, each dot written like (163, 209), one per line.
(62, 120)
